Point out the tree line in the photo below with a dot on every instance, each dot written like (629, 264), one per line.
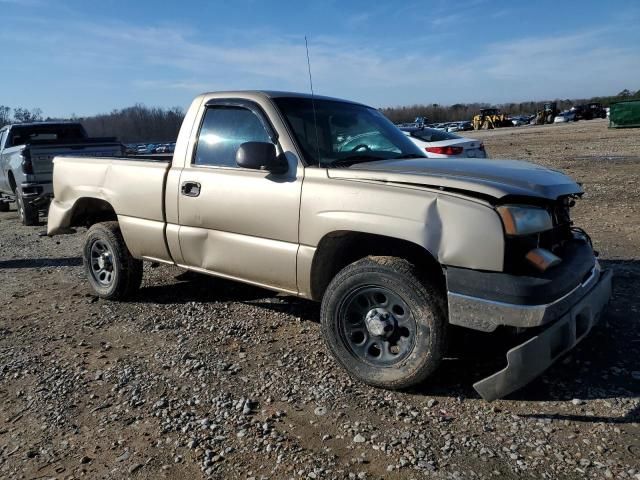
(140, 123)
(465, 111)
(130, 125)
(19, 115)
(136, 124)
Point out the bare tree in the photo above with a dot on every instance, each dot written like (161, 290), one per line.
(23, 115)
(5, 115)
(137, 124)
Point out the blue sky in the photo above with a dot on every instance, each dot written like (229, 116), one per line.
(90, 56)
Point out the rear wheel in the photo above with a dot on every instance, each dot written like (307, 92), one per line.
(27, 213)
(112, 271)
(4, 206)
(384, 323)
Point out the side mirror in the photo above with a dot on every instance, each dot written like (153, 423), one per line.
(260, 156)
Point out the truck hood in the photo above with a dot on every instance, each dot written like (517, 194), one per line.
(494, 178)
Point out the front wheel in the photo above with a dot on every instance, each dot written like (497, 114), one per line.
(112, 271)
(384, 323)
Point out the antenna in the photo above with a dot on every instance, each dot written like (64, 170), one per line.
(313, 100)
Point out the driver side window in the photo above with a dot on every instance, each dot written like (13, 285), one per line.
(224, 129)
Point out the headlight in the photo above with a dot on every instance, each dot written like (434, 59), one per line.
(523, 219)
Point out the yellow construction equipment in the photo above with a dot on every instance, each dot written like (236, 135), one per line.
(489, 118)
(548, 113)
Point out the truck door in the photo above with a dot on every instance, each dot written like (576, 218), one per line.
(236, 222)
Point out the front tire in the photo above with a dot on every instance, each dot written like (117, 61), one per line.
(112, 271)
(27, 213)
(384, 323)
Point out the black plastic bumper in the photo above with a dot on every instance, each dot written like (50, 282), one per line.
(37, 194)
(535, 289)
(486, 300)
(32, 189)
(529, 360)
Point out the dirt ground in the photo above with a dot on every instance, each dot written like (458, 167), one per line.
(199, 377)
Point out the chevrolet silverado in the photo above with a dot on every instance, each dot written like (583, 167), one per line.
(327, 200)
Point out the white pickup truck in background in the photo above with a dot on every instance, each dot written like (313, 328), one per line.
(26, 155)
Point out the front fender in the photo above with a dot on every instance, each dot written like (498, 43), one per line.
(456, 230)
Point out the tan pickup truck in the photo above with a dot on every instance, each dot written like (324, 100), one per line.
(327, 200)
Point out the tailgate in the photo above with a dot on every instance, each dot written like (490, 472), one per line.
(42, 155)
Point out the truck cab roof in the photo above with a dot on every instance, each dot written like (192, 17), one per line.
(275, 94)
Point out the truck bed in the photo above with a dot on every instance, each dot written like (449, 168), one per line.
(134, 187)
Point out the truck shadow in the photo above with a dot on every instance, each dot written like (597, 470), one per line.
(195, 287)
(630, 417)
(199, 287)
(40, 262)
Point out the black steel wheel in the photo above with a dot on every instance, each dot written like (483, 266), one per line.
(377, 325)
(384, 322)
(112, 271)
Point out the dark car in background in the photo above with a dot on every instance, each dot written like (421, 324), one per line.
(589, 111)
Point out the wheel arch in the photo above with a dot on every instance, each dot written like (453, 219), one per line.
(340, 248)
(87, 211)
(84, 212)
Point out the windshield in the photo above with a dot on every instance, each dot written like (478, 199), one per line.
(432, 135)
(343, 133)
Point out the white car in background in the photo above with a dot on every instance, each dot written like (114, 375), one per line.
(564, 117)
(440, 144)
(519, 121)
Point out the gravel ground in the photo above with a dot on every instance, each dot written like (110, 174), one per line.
(200, 377)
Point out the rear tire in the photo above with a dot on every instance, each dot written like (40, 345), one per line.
(4, 206)
(27, 213)
(112, 271)
(384, 323)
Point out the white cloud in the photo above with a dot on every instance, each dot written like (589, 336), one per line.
(447, 20)
(565, 66)
(172, 59)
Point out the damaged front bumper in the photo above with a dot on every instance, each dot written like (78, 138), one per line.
(560, 315)
(529, 360)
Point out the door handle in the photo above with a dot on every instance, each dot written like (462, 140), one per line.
(190, 189)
